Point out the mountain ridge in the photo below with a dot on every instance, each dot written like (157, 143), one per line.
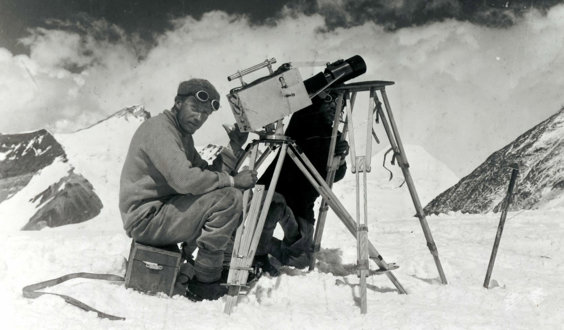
(539, 154)
(136, 111)
(41, 173)
(22, 155)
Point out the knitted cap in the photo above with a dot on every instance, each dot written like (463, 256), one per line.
(192, 86)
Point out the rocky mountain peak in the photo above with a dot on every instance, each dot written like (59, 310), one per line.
(47, 174)
(539, 153)
(70, 200)
(27, 152)
(22, 155)
(136, 112)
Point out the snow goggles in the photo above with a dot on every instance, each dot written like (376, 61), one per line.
(203, 97)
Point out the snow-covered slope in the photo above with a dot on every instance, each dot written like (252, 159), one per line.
(69, 200)
(67, 171)
(386, 188)
(539, 153)
(16, 211)
(22, 155)
(526, 289)
(98, 152)
(77, 173)
(38, 186)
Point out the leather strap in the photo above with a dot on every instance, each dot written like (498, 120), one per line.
(31, 292)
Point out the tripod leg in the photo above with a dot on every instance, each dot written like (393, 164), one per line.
(241, 159)
(320, 225)
(369, 130)
(362, 228)
(251, 234)
(395, 141)
(263, 157)
(323, 189)
(331, 170)
(363, 268)
(240, 263)
(268, 200)
(350, 125)
(248, 151)
(362, 235)
(234, 278)
(335, 130)
(252, 151)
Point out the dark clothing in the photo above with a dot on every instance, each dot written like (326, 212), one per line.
(313, 136)
(280, 213)
(311, 131)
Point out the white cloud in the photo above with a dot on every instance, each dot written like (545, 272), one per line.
(461, 90)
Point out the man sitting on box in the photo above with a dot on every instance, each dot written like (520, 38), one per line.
(168, 194)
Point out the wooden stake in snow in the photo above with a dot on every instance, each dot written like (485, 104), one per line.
(505, 207)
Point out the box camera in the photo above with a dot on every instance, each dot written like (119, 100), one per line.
(283, 92)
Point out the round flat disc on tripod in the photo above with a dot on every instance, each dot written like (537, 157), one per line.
(363, 86)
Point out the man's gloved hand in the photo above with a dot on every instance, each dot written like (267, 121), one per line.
(342, 148)
(236, 138)
(245, 179)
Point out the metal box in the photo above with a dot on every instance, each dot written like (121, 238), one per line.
(265, 101)
(151, 269)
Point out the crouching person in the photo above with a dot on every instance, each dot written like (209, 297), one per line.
(169, 195)
(293, 204)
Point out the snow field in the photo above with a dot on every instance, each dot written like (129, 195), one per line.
(526, 289)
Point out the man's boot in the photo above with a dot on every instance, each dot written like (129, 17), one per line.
(289, 255)
(206, 284)
(263, 262)
(198, 291)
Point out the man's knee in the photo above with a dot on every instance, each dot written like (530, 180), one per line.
(228, 203)
(234, 197)
(277, 205)
(227, 198)
(278, 198)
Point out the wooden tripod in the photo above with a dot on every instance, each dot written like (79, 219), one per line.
(243, 255)
(345, 103)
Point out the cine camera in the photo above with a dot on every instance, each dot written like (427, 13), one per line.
(282, 92)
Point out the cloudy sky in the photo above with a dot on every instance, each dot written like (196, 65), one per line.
(470, 75)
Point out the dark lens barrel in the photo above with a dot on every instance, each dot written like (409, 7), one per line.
(358, 66)
(342, 70)
(347, 69)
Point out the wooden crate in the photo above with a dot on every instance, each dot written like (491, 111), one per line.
(151, 269)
